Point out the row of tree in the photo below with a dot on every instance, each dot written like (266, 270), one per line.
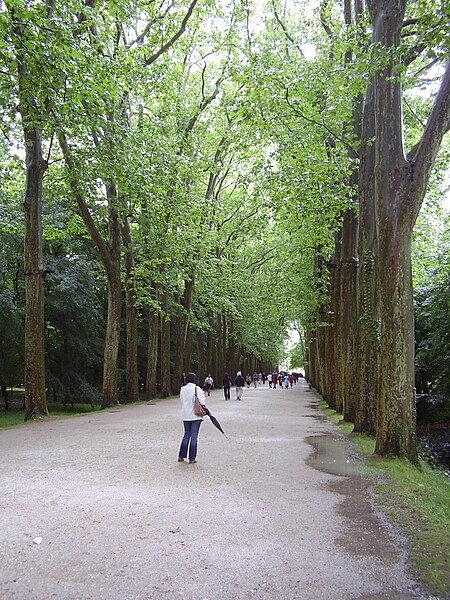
(197, 178)
(363, 363)
(122, 143)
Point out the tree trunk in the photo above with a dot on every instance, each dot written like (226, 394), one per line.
(220, 362)
(152, 355)
(395, 406)
(231, 355)
(132, 375)
(201, 367)
(112, 335)
(330, 359)
(348, 314)
(110, 255)
(396, 402)
(181, 334)
(165, 347)
(367, 340)
(187, 359)
(210, 344)
(35, 393)
(34, 375)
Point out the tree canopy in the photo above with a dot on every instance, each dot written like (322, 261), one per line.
(201, 177)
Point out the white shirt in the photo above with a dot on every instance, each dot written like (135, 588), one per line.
(187, 393)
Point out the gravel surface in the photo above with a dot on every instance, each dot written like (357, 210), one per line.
(261, 515)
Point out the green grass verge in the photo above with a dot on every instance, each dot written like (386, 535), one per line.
(417, 501)
(14, 417)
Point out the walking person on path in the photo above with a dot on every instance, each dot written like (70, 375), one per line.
(209, 384)
(239, 383)
(226, 386)
(191, 421)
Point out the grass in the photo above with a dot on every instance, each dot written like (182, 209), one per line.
(15, 417)
(417, 501)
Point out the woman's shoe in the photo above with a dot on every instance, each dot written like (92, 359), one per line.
(180, 459)
(192, 461)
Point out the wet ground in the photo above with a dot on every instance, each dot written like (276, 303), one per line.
(281, 510)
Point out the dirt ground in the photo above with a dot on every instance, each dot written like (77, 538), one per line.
(278, 511)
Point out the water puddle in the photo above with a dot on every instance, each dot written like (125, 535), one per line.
(370, 532)
(333, 455)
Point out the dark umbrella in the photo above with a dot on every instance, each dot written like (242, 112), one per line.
(214, 421)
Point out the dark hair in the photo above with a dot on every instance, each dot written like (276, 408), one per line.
(191, 378)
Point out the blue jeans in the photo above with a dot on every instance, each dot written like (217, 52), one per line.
(191, 429)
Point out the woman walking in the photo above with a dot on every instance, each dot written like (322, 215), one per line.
(190, 420)
(226, 386)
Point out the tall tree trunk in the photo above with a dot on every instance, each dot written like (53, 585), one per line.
(35, 394)
(110, 255)
(348, 314)
(165, 347)
(331, 358)
(112, 335)
(232, 363)
(34, 375)
(187, 359)
(132, 375)
(152, 355)
(395, 407)
(400, 186)
(181, 334)
(367, 340)
(209, 348)
(201, 367)
(220, 357)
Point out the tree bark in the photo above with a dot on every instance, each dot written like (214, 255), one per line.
(152, 355)
(201, 357)
(165, 347)
(220, 357)
(348, 314)
(35, 392)
(187, 359)
(110, 255)
(132, 374)
(367, 341)
(34, 369)
(181, 334)
(112, 335)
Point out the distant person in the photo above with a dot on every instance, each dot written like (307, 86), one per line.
(274, 380)
(191, 421)
(255, 378)
(239, 383)
(248, 380)
(209, 384)
(183, 379)
(226, 386)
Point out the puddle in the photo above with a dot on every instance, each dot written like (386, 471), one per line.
(369, 532)
(320, 418)
(333, 455)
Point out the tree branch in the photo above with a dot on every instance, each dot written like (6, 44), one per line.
(285, 31)
(174, 38)
(424, 154)
(83, 209)
(350, 148)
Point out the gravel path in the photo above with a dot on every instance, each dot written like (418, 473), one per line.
(121, 519)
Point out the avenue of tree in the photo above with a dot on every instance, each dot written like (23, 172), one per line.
(183, 182)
